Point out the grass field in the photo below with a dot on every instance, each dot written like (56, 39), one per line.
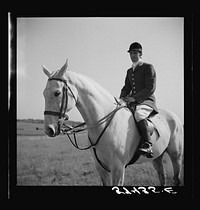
(42, 160)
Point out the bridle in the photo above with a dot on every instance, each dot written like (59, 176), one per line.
(61, 114)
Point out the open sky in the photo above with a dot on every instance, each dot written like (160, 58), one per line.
(97, 47)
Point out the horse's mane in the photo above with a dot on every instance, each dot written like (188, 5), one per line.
(85, 82)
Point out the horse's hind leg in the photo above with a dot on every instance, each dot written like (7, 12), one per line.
(176, 159)
(158, 165)
(175, 151)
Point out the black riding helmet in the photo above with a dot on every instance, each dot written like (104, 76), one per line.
(135, 47)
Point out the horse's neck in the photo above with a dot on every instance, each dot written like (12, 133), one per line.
(93, 102)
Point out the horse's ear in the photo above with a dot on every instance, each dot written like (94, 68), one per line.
(46, 71)
(64, 68)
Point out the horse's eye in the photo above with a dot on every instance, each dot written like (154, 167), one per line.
(57, 93)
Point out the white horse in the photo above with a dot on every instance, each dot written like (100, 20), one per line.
(119, 141)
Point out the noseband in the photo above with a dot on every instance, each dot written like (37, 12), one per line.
(61, 114)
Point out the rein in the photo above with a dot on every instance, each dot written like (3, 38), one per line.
(69, 130)
(72, 130)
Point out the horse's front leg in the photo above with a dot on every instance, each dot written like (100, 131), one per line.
(118, 172)
(105, 176)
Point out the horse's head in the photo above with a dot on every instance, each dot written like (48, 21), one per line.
(60, 98)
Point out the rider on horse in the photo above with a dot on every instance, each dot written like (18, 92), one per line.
(138, 92)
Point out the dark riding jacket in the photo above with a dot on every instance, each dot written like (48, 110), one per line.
(141, 84)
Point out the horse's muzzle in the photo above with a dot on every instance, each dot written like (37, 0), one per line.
(52, 130)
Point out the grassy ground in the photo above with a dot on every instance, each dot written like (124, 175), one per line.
(54, 161)
(30, 129)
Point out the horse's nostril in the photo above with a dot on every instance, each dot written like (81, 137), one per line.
(51, 133)
(51, 130)
(66, 117)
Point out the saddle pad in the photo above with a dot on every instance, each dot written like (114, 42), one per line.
(156, 121)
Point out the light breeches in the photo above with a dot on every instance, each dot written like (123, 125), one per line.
(142, 112)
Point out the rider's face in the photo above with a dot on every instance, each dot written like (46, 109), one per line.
(135, 55)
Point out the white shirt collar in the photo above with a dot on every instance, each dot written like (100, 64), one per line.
(139, 62)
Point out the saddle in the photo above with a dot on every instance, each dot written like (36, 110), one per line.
(153, 121)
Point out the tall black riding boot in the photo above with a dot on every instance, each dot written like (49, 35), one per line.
(146, 148)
